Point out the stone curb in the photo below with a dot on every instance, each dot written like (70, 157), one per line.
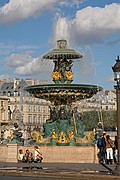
(60, 175)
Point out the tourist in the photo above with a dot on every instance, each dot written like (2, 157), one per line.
(101, 144)
(28, 157)
(116, 150)
(109, 150)
(38, 155)
(20, 155)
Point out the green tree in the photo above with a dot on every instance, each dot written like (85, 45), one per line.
(91, 119)
(109, 120)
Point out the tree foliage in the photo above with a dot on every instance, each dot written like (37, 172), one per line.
(108, 118)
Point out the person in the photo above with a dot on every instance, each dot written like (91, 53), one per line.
(20, 155)
(109, 150)
(38, 155)
(101, 144)
(28, 157)
(116, 150)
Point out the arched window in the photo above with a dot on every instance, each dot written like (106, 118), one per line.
(29, 119)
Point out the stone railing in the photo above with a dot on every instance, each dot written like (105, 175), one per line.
(67, 154)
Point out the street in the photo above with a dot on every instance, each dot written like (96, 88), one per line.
(34, 178)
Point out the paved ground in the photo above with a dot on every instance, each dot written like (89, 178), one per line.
(58, 170)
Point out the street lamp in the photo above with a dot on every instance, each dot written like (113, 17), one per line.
(116, 70)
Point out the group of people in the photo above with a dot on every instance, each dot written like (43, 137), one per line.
(108, 149)
(29, 157)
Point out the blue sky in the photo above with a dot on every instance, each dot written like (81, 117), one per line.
(30, 28)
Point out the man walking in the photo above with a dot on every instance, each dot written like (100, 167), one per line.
(101, 144)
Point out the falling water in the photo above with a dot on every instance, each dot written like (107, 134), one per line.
(83, 69)
(96, 80)
(42, 69)
(61, 30)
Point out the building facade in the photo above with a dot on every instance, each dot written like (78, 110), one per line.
(104, 100)
(29, 110)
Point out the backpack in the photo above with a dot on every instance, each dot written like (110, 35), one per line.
(100, 142)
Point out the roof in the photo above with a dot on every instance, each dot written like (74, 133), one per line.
(21, 85)
(8, 87)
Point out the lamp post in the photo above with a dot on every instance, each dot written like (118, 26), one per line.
(116, 70)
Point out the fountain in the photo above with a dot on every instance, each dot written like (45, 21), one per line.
(65, 125)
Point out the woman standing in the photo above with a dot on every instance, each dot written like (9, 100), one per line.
(109, 150)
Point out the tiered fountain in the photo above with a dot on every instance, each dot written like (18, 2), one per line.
(65, 126)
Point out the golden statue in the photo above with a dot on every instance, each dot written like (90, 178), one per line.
(37, 136)
(54, 134)
(62, 138)
(88, 138)
(71, 134)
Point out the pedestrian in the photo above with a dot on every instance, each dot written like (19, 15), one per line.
(109, 150)
(20, 155)
(116, 150)
(38, 155)
(28, 157)
(101, 144)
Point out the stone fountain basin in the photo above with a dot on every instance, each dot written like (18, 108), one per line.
(63, 92)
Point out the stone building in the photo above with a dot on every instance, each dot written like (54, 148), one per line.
(104, 100)
(3, 112)
(29, 110)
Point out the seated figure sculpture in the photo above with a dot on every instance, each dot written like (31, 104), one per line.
(16, 135)
(62, 113)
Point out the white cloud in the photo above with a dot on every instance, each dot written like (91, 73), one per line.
(6, 48)
(25, 64)
(31, 66)
(16, 60)
(91, 24)
(20, 59)
(21, 9)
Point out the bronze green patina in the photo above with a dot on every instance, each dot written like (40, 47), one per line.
(65, 125)
(63, 94)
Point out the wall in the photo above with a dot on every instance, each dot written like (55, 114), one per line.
(3, 152)
(74, 154)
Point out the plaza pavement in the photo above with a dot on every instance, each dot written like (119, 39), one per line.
(81, 171)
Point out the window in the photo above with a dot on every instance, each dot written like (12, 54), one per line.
(34, 119)
(39, 119)
(29, 119)
(2, 103)
(106, 107)
(9, 93)
(34, 108)
(40, 109)
(21, 108)
(29, 108)
(44, 109)
(4, 93)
